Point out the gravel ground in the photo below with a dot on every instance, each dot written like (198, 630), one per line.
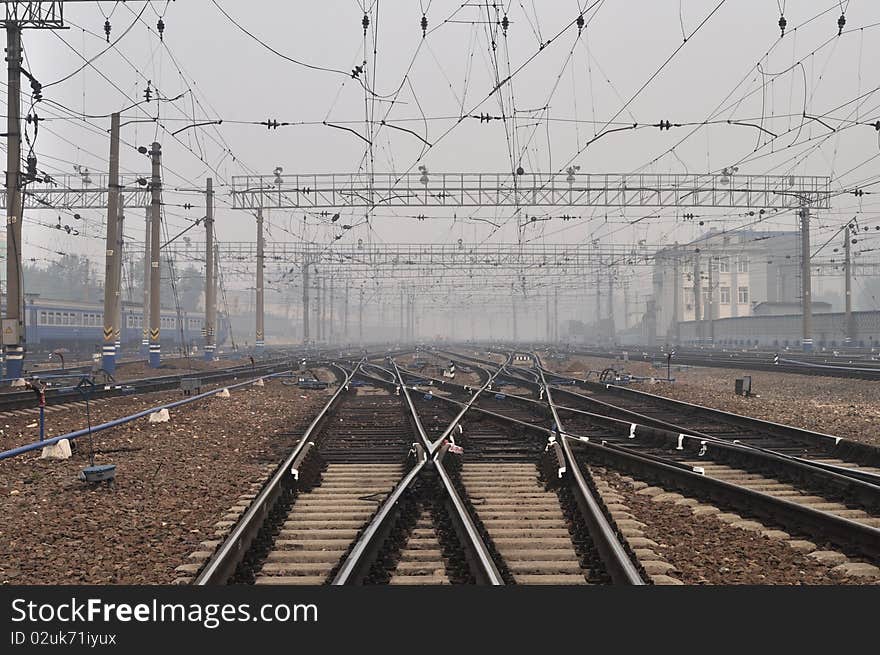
(705, 550)
(844, 408)
(174, 481)
(18, 430)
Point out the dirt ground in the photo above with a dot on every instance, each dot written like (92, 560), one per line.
(174, 481)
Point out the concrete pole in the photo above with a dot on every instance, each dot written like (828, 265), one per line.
(259, 341)
(319, 333)
(210, 296)
(402, 313)
(547, 328)
(330, 312)
(216, 325)
(598, 306)
(345, 316)
(556, 315)
(155, 272)
(111, 282)
(676, 302)
(325, 331)
(806, 282)
(13, 323)
(611, 329)
(306, 301)
(850, 322)
(145, 337)
(361, 319)
(698, 298)
(120, 231)
(513, 315)
(710, 302)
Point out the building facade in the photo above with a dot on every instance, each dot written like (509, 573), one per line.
(724, 275)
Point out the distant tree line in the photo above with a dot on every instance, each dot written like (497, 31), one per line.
(75, 277)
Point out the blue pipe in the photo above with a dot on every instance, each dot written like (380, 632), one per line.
(6, 454)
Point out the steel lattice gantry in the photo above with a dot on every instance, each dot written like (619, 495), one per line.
(453, 255)
(423, 189)
(81, 192)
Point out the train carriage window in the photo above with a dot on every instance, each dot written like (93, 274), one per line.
(42, 318)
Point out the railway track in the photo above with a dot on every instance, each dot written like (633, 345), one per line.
(826, 505)
(382, 495)
(834, 454)
(799, 363)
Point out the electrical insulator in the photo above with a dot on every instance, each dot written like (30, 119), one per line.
(32, 166)
(148, 92)
(840, 23)
(782, 24)
(107, 29)
(161, 27)
(424, 25)
(580, 23)
(365, 23)
(505, 23)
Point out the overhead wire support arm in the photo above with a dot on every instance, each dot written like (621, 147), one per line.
(455, 189)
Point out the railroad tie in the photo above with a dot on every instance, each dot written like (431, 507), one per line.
(525, 522)
(324, 521)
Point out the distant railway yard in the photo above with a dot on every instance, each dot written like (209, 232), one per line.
(447, 464)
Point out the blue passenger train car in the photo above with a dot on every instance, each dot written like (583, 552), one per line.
(79, 326)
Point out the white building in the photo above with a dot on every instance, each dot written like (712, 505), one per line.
(735, 272)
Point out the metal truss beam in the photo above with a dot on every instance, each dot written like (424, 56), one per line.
(80, 192)
(34, 15)
(456, 255)
(327, 191)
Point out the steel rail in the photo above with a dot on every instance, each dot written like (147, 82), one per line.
(842, 531)
(231, 552)
(362, 555)
(70, 436)
(617, 561)
(482, 564)
(830, 443)
(865, 488)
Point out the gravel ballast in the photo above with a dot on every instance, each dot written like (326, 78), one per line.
(174, 480)
(836, 406)
(704, 550)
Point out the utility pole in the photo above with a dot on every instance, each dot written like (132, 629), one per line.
(513, 314)
(547, 327)
(155, 272)
(120, 231)
(210, 296)
(145, 337)
(330, 311)
(361, 319)
(319, 334)
(111, 281)
(710, 302)
(847, 265)
(306, 300)
(676, 293)
(698, 291)
(806, 282)
(325, 332)
(611, 305)
(402, 311)
(598, 306)
(345, 317)
(13, 323)
(556, 315)
(259, 341)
